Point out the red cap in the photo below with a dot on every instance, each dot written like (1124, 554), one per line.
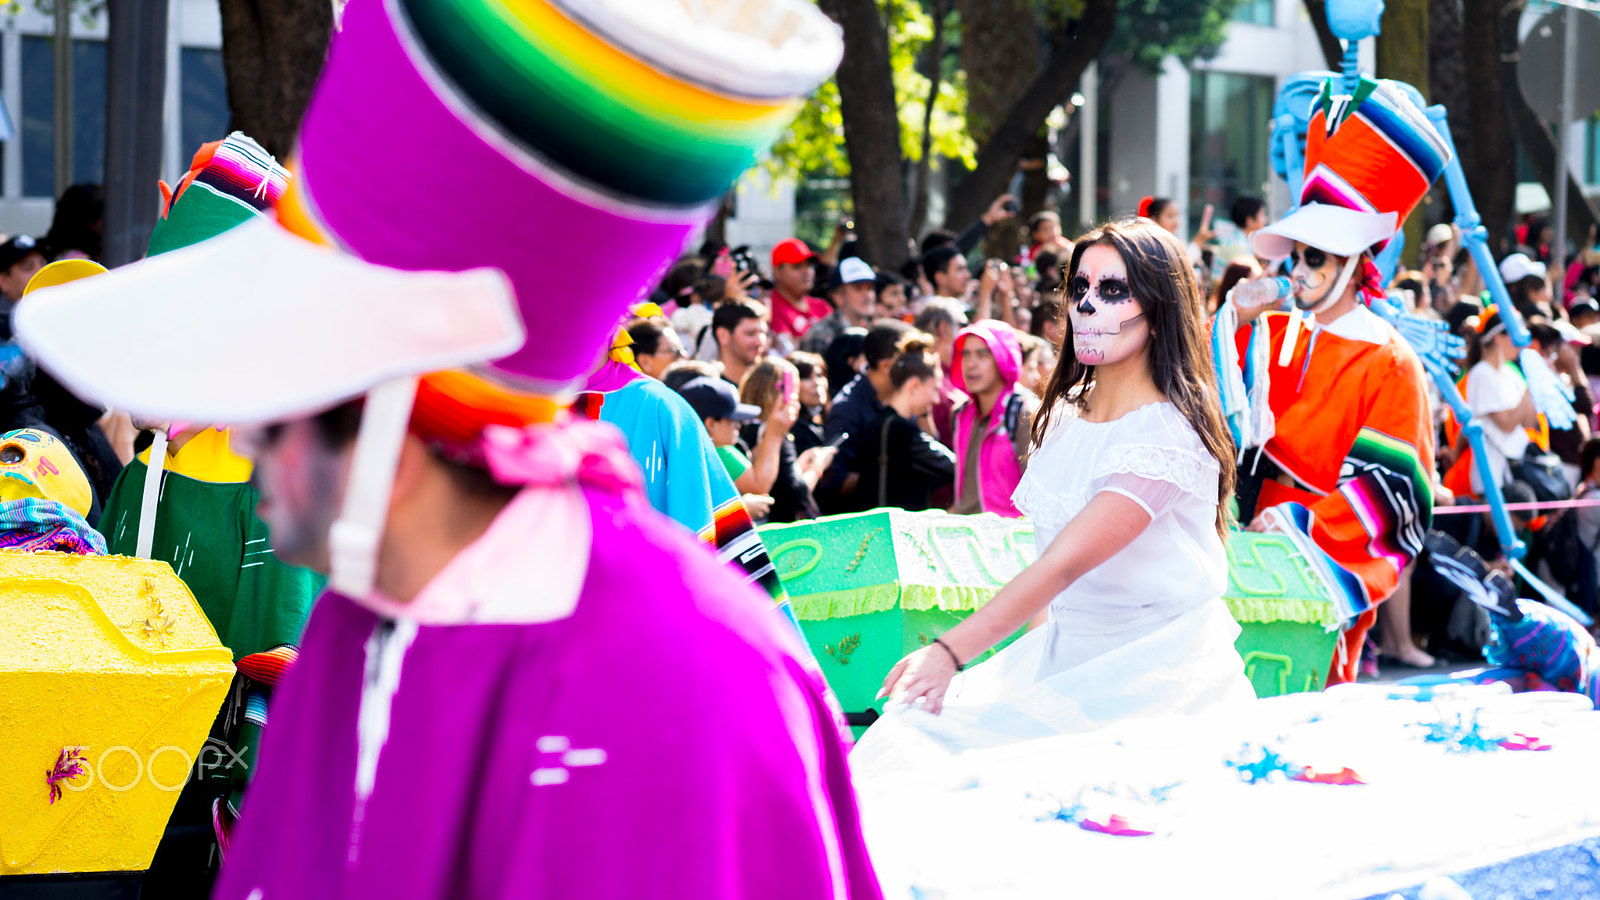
(791, 250)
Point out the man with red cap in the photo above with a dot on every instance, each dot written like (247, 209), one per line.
(794, 309)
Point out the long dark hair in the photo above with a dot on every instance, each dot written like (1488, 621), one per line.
(1180, 354)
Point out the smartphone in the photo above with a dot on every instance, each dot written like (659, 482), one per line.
(1011, 207)
(1205, 218)
(789, 387)
(838, 441)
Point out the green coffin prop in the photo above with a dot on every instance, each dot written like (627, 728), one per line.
(871, 587)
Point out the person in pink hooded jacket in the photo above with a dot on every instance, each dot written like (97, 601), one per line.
(993, 424)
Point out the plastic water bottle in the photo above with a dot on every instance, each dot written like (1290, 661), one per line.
(1261, 292)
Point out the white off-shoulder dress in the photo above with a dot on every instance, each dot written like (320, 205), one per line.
(1145, 633)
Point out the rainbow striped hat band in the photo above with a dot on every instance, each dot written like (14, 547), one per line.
(575, 146)
(229, 181)
(1374, 151)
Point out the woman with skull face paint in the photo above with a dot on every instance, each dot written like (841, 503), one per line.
(1131, 466)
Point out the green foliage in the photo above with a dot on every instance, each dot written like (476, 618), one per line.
(88, 11)
(910, 32)
(815, 142)
(1148, 31)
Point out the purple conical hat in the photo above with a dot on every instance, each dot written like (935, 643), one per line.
(541, 161)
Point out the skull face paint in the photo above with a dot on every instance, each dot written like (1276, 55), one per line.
(37, 464)
(1315, 275)
(1108, 325)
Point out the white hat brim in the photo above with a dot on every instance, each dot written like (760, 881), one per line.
(257, 325)
(1331, 229)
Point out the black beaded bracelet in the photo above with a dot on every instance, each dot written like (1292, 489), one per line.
(953, 658)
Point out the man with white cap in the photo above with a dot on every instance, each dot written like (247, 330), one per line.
(854, 292)
(1348, 469)
(523, 682)
(1526, 282)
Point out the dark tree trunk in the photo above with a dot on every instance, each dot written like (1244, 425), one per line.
(1403, 56)
(717, 228)
(1493, 175)
(1001, 52)
(1332, 48)
(272, 53)
(871, 132)
(1071, 49)
(1447, 86)
(935, 76)
(1537, 136)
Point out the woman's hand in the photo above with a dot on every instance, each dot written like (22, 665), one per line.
(757, 505)
(812, 463)
(738, 286)
(783, 416)
(921, 679)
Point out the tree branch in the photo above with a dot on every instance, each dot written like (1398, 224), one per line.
(1332, 47)
(1072, 50)
(919, 208)
(871, 131)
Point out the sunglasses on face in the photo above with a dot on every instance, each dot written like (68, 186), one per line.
(1315, 259)
(1111, 290)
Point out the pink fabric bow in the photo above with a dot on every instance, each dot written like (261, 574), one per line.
(591, 453)
(1369, 281)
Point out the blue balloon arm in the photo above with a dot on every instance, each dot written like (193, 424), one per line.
(1389, 260)
(1474, 235)
(1510, 544)
(1295, 155)
(1550, 595)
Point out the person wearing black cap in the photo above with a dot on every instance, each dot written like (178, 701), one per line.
(20, 258)
(718, 406)
(854, 409)
(854, 292)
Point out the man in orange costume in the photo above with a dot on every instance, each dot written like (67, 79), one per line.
(1347, 471)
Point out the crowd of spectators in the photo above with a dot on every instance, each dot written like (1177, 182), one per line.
(831, 386)
(850, 387)
(1531, 462)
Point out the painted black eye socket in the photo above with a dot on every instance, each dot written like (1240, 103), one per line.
(1114, 290)
(1111, 290)
(11, 454)
(1314, 258)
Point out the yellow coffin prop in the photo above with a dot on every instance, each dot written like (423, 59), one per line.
(109, 669)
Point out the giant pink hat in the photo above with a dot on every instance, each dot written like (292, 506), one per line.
(468, 173)
(477, 182)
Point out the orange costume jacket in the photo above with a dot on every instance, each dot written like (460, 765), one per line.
(1353, 447)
